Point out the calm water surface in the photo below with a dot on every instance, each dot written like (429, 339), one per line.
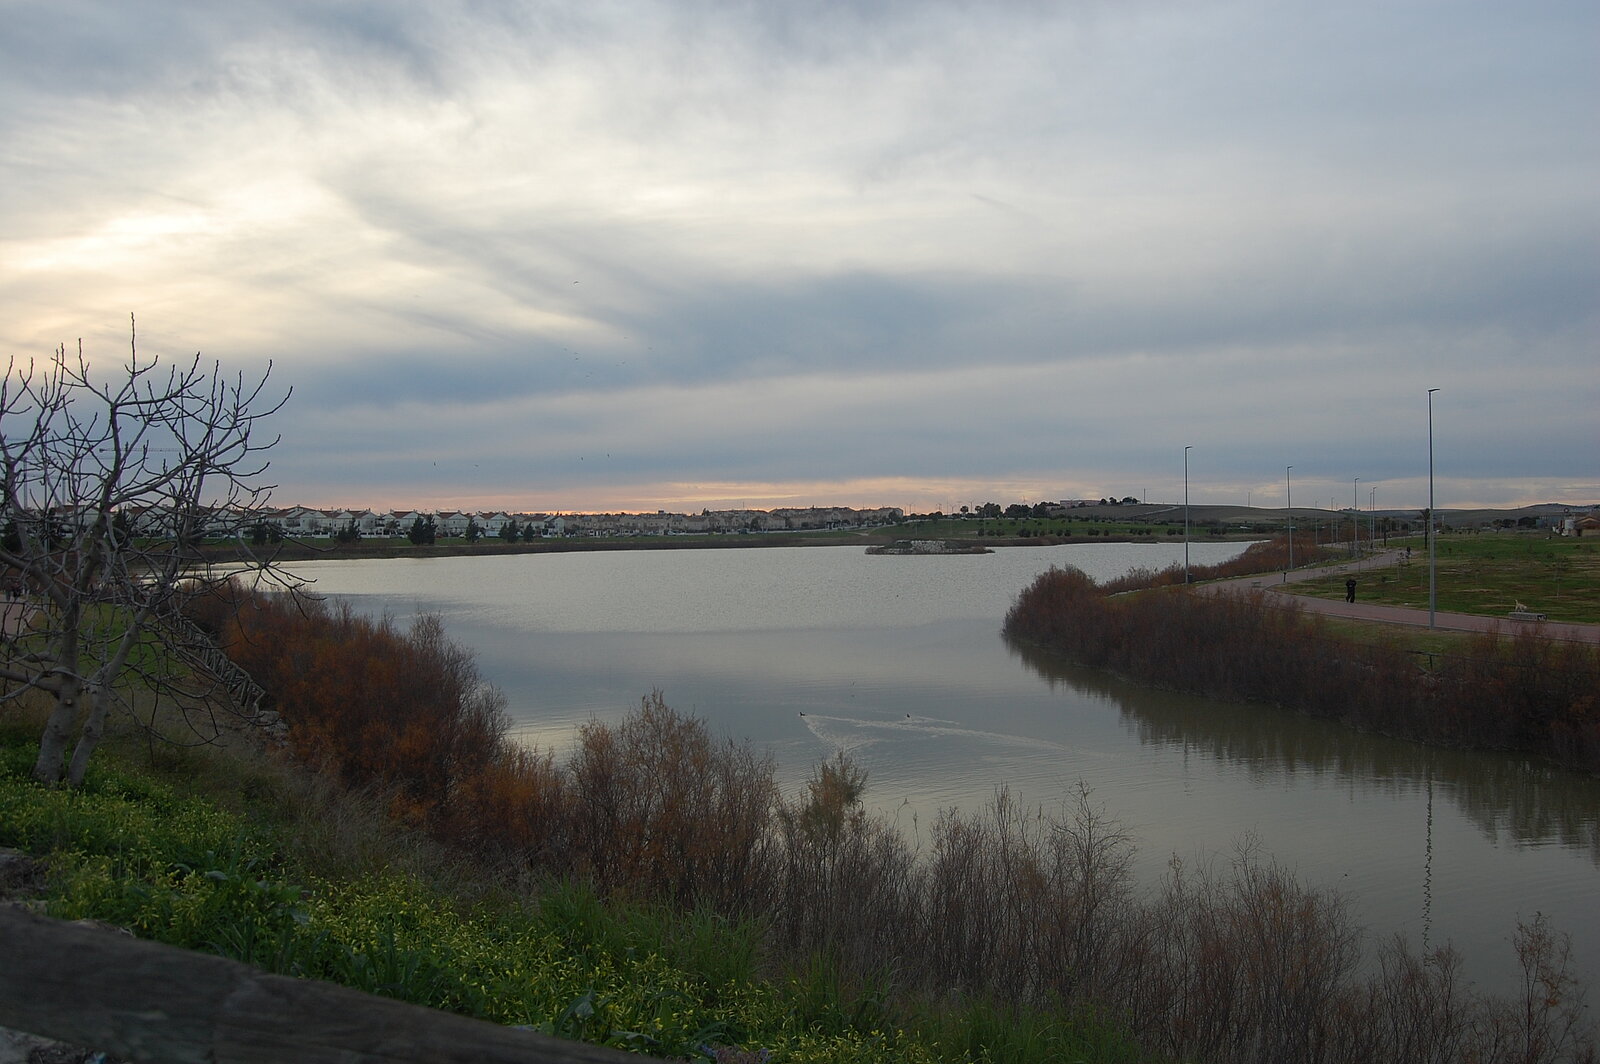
(899, 660)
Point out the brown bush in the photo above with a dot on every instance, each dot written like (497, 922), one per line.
(514, 810)
(404, 714)
(1253, 962)
(1525, 692)
(1238, 966)
(375, 705)
(1030, 906)
(1262, 556)
(661, 809)
(844, 881)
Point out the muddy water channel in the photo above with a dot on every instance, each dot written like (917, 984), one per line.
(899, 660)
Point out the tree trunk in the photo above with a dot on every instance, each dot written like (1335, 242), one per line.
(99, 693)
(67, 686)
(94, 726)
(57, 730)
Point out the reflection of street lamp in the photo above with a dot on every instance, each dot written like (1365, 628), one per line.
(1433, 583)
(1289, 491)
(1427, 866)
(1186, 515)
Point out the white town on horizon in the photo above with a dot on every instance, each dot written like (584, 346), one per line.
(307, 522)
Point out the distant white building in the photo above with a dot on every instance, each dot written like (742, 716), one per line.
(305, 522)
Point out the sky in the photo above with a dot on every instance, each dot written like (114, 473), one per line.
(607, 255)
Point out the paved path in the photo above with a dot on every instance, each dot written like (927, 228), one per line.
(1368, 611)
(15, 616)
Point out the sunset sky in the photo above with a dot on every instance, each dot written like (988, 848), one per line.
(617, 255)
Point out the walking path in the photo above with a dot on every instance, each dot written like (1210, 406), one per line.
(15, 616)
(1365, 611)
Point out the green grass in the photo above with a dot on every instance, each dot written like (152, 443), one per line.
(1487, 574)
(1416, 640)
(186, 852)
(1042, 528)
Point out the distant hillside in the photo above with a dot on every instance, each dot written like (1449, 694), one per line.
(1233, 515)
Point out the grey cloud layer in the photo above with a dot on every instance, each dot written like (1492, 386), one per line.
(561, 245)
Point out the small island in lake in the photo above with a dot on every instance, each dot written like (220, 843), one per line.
(929, 546)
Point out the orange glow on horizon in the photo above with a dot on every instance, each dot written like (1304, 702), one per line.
(913, 495)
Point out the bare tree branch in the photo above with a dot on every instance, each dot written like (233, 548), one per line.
(109, 485)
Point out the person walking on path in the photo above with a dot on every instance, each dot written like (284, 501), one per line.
(1350, 590)
(1567, 631)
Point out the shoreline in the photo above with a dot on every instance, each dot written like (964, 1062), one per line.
(303, 551)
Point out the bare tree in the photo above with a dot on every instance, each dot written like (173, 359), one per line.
(111, 482)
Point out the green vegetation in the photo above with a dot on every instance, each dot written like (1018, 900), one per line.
(1053, 528)
(136, 847)
(1487, 573)
(1426, 645)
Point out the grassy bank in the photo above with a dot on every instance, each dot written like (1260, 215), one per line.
(265, 865)
(1488, 574)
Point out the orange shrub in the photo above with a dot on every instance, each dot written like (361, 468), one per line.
(377, 706)
(662, 809)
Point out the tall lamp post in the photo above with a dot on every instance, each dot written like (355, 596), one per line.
(1355, 520)
(1433, 582)
(1372, 518)
(1288, 490)
(1186, 515)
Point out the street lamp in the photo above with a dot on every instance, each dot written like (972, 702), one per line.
(1372, 518)
(1355, 521)
(1289, 491)
(1433, 582)
(1186, 515)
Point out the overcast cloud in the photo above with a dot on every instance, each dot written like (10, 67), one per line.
(636, 255)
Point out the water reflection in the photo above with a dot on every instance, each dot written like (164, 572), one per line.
(803, 652)
(1531, 802)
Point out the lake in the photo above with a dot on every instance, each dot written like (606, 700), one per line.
(899, 660)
